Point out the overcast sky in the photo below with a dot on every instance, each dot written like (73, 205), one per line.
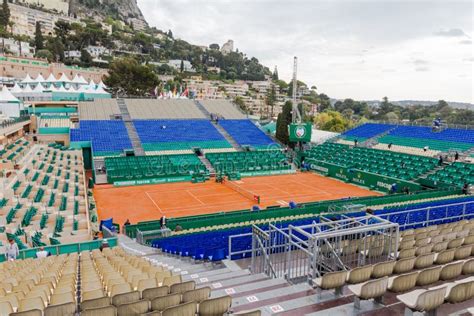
(360, 49)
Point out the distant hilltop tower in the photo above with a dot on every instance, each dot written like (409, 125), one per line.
(228, 47)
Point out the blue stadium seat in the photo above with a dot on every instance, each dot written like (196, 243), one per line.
(367, 130)
(246, 133)
(107, 137)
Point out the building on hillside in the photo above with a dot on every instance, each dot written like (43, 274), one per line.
(176, 64)
(61, 6)
(236, 89)
(17, 48)
(18, 68)
(96, 51)
(73, 54)
(24, 20)
(203, 89)
(138, 25)
(228, 47)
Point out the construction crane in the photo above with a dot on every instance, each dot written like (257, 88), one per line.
(296, 115)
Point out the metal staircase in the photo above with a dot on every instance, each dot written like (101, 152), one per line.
(371, 142)
(430, 172)
(209, 167)
(221, 130)
(132, 132)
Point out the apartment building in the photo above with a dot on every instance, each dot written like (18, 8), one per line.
(60, 6)
(24, 20)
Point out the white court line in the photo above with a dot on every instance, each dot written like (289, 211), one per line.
(153, 201)
(189, 192)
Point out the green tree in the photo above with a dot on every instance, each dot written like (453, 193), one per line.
(127, 76)
(241, 104)
(170, 34)
(275, 74)
(45, 54)
(5, 14)
(39, 40)
(62, 29)
(181, 66)
(332, 121)
(214, 46)
(86, 58)
(271, 99)
(283, 121)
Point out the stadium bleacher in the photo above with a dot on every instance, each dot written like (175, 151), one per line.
(393, 164)
(52, 121)
(252, 162)
(14, 150)
(246, 133)
(153, 167)
(458, 173)
(107, 137)
(365, 131)
(100, 109)
(222, 108)
(414, 136)
(46, 202)
(163, 109)
(178, 135)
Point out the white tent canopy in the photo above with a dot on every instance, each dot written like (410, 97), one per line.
(99, 90)
(39, 79)
(102, 85)
(7, 97)
(16, 89)
(64, 78)
(51, 78)
(28, 80)
(38, 88)
(27, 89)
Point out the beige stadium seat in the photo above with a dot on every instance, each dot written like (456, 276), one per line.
(160, 276)
(423, 300)
(373, 289)
(90, 295)
(146, 284)
(125, 298)
(120, 289)
(101, 311)
(463, 252)
(67, 309)
(135, 308)
(424, 261)
(468, 267)
(423, 250)
(33, 312)
(31, 303)
(403, 282)
(169, 281)
(406, 253)
(440, 246)
(155, 292)
(455, 243)
(383, 269)
(5, 308)
(422, 242)
(95, 303)
(186, 309)
(162, 303)
(63, 298)
(445, 256)
(215, 306)
(428, 276)
(332, 280)
(359, 274)
(459, 291)
(451, 270)
(182, 287)
(406, 244)
(469, 240)
(404, 265)
(197, 295)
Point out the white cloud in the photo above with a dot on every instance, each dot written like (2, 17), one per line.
(359, 49)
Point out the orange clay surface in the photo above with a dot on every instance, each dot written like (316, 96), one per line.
(150, 202)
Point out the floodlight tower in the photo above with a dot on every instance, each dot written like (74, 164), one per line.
(296, 115)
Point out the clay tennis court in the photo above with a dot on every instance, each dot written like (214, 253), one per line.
(150, 202)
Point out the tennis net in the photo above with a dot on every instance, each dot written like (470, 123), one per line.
(245, 193)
